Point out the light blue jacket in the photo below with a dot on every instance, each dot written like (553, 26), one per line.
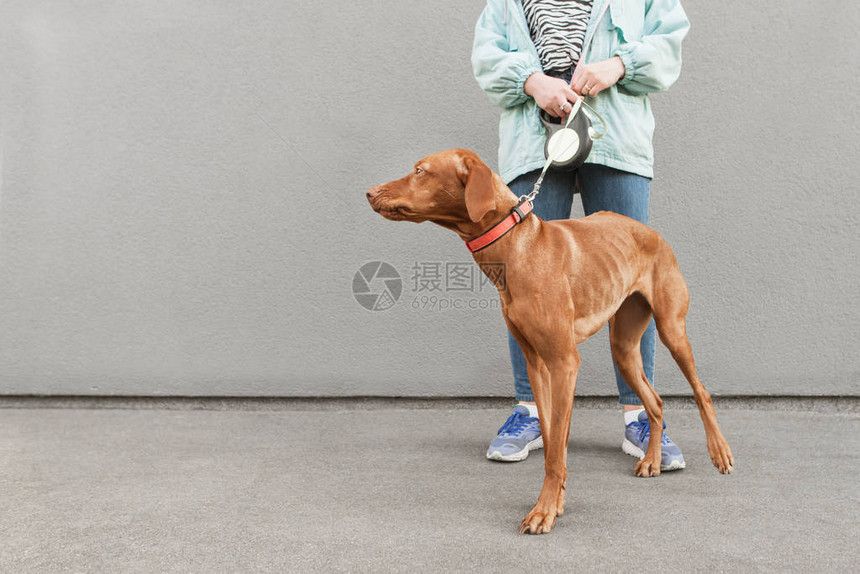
(646, 34)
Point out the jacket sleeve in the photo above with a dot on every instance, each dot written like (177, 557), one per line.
(500, 72)
(654, 63)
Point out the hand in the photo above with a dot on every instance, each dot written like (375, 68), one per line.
(552, 95)
(591, 79)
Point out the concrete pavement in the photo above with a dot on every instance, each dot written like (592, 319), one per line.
(404, 489)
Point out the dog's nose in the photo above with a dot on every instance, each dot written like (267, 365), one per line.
(373, 192)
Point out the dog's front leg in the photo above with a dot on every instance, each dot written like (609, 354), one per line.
(559, 387)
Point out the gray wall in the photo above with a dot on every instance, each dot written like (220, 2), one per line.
(182, 209)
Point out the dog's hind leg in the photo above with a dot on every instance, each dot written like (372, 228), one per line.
(670, 303)
(625, 333)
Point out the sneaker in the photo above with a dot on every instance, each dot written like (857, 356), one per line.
(519, 435)
(636, 439)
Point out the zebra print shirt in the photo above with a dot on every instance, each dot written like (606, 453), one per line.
(558, 30)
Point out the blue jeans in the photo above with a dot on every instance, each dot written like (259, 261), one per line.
(601, 188)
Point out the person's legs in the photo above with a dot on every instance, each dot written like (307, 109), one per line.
(605, 189)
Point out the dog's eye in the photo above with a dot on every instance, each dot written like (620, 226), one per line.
(418, 171)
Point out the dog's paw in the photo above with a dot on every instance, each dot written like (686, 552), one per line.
(538, 521)
(647, 468)
(721, 456)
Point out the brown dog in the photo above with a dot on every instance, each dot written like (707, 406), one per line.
(562, 281)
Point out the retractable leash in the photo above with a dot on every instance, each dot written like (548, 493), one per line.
(563, 145)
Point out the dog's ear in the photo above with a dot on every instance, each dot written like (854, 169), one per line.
(480, 194)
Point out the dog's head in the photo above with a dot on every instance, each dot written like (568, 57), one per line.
(449, 188)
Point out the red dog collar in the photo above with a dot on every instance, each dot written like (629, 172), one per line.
(517, 214)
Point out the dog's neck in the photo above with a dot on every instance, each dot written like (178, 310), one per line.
(505, 250)
(505, 201)
(469, 230)
(501, 248)
(509, 247)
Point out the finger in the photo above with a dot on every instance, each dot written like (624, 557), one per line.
(587, 86)
(599, 89)
(572, 96)
(591, 81)
(578, 83)
(553, 110)
(564, 107)
(567, 106)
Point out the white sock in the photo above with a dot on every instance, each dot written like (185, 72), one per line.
(532, 410)
(632, 416)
